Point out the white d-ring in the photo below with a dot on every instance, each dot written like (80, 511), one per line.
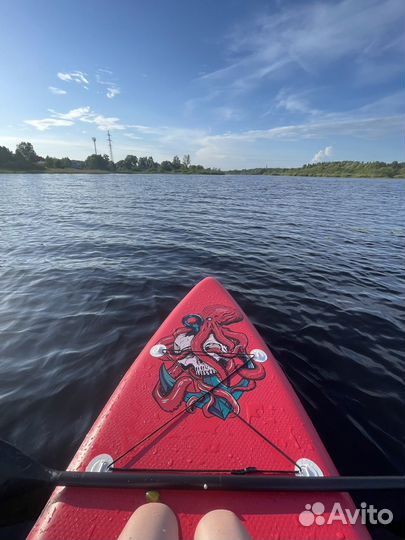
(307, 467)
(100, 463)
(158, 350)
(258, 355)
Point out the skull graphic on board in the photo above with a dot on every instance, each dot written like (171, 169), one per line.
(206, 364)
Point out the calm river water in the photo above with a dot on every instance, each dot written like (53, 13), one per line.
(91, 265)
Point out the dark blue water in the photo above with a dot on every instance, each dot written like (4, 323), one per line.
(91, 265)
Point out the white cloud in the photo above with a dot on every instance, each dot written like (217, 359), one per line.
(64, 76)
(103, 123)
(311, 37)
(112, 91)
(74, 76)
(57, 91)
(249, 147)
(243, 148)
(132, 136)
(322, 155)
(46, 123)
(253, 147)
(369, 128)
(105, 70)
(82, 114)
(74, 114)
(293, 103)
(112, 87)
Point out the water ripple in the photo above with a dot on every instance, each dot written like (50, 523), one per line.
(90, 266)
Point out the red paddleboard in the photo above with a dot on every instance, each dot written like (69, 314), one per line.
(209, 377)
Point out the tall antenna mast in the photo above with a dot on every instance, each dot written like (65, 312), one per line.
(95, 147)
(109, 144)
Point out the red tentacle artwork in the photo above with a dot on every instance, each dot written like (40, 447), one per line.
(206, 364)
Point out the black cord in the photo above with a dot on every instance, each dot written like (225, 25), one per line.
(186, 409)
(268, 441)
(189, 407)
(246, 470)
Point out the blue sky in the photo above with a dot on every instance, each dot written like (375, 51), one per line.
(234, 83)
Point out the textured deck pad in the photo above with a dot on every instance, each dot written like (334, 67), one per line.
(202, 357)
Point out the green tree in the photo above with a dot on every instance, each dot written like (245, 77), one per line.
(6, 156)
(176, 163)
(186, 161)
(142, 163)
(395, 165)
(130, 162)
(50, 162)
(25, 151)
(120, 165)
(196, 168)
(166, 166)
(95, 161)
(65, 163)
(150, 163)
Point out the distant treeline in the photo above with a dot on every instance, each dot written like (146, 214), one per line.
(345, 169)
(26, 159)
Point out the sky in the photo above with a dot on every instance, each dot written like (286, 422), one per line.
(233, 83)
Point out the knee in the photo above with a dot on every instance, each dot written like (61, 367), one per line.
(221, 525)
(155, 521)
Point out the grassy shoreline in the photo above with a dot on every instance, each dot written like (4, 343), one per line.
(101, 171)
(221, 173)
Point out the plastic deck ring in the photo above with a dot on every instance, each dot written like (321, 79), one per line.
(157, 351)
(258, 355)
(100, 463)
(307, 467)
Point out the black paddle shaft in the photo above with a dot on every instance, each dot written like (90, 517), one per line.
(18, 470)
(224, 481)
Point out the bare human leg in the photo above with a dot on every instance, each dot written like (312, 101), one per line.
(221, 525)
(151, 521)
